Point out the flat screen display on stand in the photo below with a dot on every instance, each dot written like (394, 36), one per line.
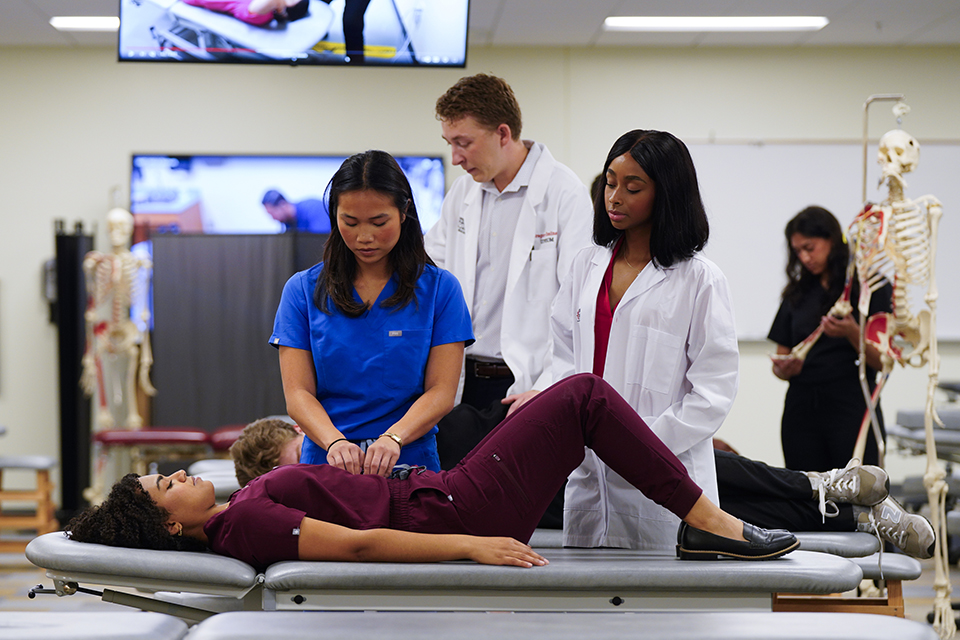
(306, 32)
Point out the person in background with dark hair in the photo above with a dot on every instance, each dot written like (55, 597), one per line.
(371, 339)
(824, 405)
(257, 12)
(308, 215)
(646, 311)
(508, 231)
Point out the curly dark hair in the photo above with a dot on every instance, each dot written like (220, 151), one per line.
(129, 518)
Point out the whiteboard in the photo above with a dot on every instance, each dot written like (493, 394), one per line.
(752, 190)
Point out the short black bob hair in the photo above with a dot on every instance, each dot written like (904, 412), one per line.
(679, 221)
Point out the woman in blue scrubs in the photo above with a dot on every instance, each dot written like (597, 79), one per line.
(371, 339)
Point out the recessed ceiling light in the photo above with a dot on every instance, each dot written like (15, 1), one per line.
(85, 23)
(717, 23)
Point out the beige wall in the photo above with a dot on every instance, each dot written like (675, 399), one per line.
(72, 117)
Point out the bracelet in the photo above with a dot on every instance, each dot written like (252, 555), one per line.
(393, 437)
(335, 442)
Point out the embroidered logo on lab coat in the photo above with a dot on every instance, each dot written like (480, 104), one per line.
(578, 315)
(549, 237)
(461, 226)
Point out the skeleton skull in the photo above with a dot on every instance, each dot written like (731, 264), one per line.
(119, 227)
(899, 152)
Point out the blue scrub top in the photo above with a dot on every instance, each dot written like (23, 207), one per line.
(370, 370)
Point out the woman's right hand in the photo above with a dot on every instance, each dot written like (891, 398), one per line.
(504, 551)
(786, 368)
(345, 455)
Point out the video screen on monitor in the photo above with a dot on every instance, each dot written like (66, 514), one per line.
(254, 193)
(297, 32)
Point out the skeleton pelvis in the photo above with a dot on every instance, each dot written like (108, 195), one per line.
(892, 339)
(122, 337)
(917, 333)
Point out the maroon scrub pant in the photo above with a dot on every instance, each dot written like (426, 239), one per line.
(503, 486)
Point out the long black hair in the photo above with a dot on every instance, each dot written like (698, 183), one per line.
(678, 220)
(377, 171)
(129, 518)
(816, 222)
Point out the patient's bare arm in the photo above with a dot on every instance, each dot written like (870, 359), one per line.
(321, 540)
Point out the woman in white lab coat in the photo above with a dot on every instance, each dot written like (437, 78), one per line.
(644, 310)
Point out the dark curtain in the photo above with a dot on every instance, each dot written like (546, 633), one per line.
(215, 297)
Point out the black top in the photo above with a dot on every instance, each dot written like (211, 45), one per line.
(830, 358)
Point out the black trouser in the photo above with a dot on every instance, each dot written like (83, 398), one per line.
(820, 425)
(773, 498)
(480, 392)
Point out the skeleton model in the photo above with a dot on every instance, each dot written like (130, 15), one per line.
(110, 360)
(896, 241)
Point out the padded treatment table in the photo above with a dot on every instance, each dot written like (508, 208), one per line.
(701, 625)
(909, 434)
(575, 579)
(861, 548)
(90, 625)
(279, 40)
(76, 564)
(846, 545)
(893, 568)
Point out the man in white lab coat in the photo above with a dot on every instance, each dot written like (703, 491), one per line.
(508, 231)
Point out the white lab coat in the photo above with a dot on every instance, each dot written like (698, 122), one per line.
(673, 355)
(556, 221)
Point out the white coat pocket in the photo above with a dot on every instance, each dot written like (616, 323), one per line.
(542, 280)
(654, 358)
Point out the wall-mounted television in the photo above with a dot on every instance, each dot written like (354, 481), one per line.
(304, 32)
(254, 193)
(233, 194)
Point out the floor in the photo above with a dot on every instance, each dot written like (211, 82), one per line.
(17, 576)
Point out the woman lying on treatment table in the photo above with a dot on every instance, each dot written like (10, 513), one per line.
(478, 510)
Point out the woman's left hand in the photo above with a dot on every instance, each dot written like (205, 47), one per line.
(504, 551)
(517, 400)
(381, 456)
(845, 327)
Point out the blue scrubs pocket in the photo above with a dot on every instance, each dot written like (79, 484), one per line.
(405, 355)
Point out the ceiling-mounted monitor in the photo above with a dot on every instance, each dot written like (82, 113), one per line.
(296, 32)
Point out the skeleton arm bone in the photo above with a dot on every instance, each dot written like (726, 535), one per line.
(89, 376)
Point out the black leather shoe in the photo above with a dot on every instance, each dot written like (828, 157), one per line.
(761, 544)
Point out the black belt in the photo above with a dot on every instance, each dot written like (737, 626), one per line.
(488, 370)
